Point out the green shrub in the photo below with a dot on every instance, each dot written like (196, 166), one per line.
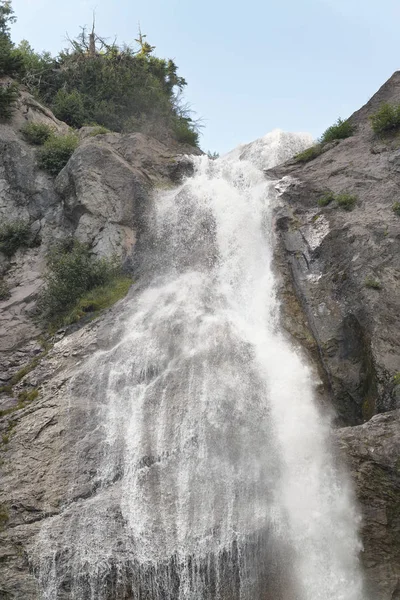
(73, 272)
(396, 208)
(37, 133)
(106, 83)
(396, 379)
(372, 283)
(68, 107)
(386, 119)
(339, 131)
(309, 154)
(14, 235)
(346, 201)
(56, 152)
(8, 97)
(326, 199)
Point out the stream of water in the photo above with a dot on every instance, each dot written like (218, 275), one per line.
(217, 479)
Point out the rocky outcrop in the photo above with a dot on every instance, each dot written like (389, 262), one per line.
(38, 462)
(98, 198)
(373, 452)
(104, 187)
(344, 265)
(339, 280)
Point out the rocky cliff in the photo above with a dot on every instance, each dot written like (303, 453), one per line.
(325, 257)
(98, 198)
(340, 290)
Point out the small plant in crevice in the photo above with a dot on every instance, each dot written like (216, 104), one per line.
(56, 152)
(338, 131)
(344, 200)
(5, 438)
(396, 208)
(396, 379)
(37, 133)
(14, 235)
(326, 199)
(372, 283)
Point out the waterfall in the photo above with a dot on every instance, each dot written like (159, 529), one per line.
(215, 478)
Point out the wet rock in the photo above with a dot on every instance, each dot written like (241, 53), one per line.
(373, 452)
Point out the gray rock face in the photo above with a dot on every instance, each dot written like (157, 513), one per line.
(37, 464)
(106, 184)
(331, 256)
(98, 198)
(325, 257)
(373, 452)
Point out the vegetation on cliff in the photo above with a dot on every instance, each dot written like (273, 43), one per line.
(36, 133)
(14, 235)
(338, 131)
(386, 120)
(95, 82)
(78, 283)
(343, 200)
(56, 152)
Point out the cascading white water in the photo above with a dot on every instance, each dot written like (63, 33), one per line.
(217, 478)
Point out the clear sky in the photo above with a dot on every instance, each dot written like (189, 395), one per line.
(251, 66)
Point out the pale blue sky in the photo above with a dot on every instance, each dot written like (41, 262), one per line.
(250, 66)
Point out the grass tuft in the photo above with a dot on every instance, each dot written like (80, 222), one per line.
(396, 208)
(309, 154)
(372, 283)
(344, 201)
